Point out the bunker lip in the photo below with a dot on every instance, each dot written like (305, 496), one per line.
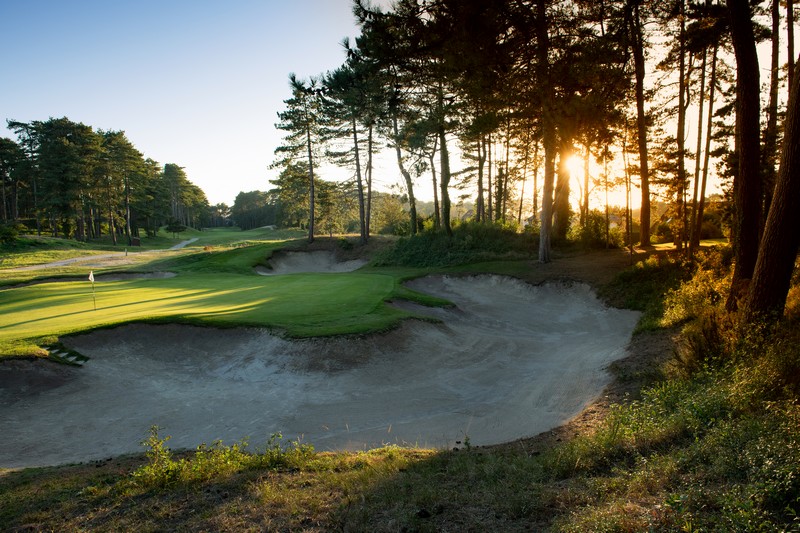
(510, 361)
(295, 262)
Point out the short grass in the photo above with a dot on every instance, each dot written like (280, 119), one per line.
(299, 305)
(214, 286)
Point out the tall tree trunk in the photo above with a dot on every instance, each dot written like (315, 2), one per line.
(770, 140)
(479, 209)
(368, 214)
(437, 219)
(498, 188)
(747, 190)
(561, 208)
(680, 234)
(778, 252)
(524, 177)
(698, 151)
(508, 170)
(637, 34)
(707, 153)
(412, 201)
(128, 211)
(489, 188)
(790, 42)
(362, 220)
(15, 200)
(444, 180)
(605, 183)
(36, 206)
(310, 186)
(536, 181)
(585, 203)
(548, 130)
(111, 230)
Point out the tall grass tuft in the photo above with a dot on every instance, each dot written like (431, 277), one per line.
(211, 462)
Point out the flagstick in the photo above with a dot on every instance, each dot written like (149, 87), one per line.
(94, 297)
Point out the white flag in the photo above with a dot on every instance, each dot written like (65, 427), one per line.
(91, 276)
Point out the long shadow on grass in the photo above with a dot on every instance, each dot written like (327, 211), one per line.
(193, 298)
(388, 489)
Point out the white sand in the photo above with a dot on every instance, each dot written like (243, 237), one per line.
(511, 360)
(299, 262)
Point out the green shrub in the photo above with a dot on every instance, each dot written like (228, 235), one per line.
(471, 242)
(9, 233)
(211, 462)
(593, 233)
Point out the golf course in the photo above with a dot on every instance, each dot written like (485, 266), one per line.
(231, 335)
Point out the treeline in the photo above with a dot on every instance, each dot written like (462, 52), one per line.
(523, 88)
(66, 179)
(335, 206)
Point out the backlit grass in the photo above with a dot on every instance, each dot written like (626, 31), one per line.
(301, 305)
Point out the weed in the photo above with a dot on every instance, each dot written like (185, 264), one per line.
(211, 462)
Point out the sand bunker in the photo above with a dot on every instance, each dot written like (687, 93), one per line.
(297, 262)
(511, 360)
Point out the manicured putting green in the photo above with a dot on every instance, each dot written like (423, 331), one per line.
(301, 304)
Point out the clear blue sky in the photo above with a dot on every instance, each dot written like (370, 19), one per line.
(192, 82)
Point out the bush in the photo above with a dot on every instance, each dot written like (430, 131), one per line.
(211, 462)
(471, 242)
(593, 233)
(9, 233)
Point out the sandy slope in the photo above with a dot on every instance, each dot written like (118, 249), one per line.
(511, 360)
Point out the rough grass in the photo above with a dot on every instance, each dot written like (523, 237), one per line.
(712, 447)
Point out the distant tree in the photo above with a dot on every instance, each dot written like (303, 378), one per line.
(253, 210)
(390, 217)
(301, 121)
(220, 215)
(119, 161)
(67, 154)
(175, 227)
(350, 114)
(11, 164)
(291, 192)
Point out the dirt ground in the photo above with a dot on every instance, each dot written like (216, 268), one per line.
(510, 361)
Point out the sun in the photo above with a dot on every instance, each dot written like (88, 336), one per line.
(575, 166)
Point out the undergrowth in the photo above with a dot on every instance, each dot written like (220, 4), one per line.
(715, 446)
(211, 462)
(470, 243)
